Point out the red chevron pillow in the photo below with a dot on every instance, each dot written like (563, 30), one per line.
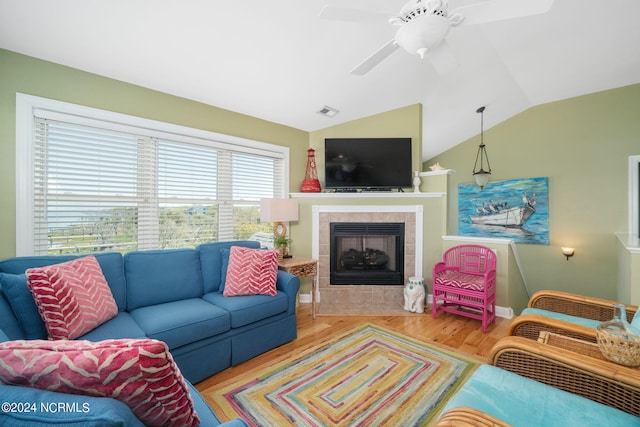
(251, 272)
(72, 297)
(139, 372)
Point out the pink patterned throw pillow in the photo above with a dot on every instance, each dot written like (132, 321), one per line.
(251, 272)
(138, 372)
(72, 297)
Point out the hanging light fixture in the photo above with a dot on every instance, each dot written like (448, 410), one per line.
(481, 176)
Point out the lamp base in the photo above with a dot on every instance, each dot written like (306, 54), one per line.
(279, 229)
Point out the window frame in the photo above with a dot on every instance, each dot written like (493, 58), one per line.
(634, 196)
(28, 105)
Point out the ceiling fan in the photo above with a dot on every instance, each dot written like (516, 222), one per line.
(424, 25)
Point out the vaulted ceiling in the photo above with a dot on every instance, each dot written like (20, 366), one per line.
(279, 61)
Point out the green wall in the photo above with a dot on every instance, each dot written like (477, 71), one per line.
(402, 123)
(19, 73)
(582, 145)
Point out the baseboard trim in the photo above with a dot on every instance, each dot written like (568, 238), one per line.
(504, 312)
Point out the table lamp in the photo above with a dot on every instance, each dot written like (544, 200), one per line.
(279, 211)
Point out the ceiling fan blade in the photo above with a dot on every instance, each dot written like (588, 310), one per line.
(498, 10)
(377, 57)
(443, 59)
(353, 15)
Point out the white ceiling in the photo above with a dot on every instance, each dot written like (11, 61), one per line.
(279, 61)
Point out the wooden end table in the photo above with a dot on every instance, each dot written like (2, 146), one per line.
(303, 267)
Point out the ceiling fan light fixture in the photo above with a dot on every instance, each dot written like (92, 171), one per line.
(422, 34)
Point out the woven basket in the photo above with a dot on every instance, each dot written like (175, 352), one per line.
(619, 346)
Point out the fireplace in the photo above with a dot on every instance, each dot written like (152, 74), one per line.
(370, 299)
(366, 253)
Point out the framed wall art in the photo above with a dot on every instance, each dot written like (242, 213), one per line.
(516, 209)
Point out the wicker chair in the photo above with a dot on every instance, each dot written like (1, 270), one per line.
(602, 381)
(596, 379)
(530, 325)
(464, 283)
(468, 417)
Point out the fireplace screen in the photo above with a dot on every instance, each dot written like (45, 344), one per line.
(366, 253)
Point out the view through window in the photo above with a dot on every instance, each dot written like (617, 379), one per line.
(117, 185)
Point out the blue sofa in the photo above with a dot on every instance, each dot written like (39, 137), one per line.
(172, 295)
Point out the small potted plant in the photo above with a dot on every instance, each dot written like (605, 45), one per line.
(282, 243)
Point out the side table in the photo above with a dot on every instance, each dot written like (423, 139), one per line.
(303, 267)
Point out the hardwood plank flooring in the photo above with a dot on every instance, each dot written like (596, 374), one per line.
(449, 330)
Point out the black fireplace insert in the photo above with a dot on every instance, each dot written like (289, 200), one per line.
(366, 253)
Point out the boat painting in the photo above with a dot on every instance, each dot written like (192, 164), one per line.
(514, 209)
(513, 217)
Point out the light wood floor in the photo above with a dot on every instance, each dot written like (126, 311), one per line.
(447, 329)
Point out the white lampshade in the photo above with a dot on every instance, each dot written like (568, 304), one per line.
(278, 210)
(422, 34)
(482, 178)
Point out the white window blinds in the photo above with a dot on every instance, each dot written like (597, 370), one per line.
(104, 186)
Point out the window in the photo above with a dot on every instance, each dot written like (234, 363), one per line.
(634, 196)
(91, 180)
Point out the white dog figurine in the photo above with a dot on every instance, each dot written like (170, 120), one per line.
(414, 295)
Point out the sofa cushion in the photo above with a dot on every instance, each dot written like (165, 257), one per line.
(140, 373)
(251, 272)
(460, 280)
(85, 411)
(249, 308)
(213, 273)
(521, 401)
(635, 322)
(8, 321)
(72, 297)
(182, 322)
(159, 276)
(224, 264)
(3, 336)
(111, 264)
(23, 305)
(120, 327)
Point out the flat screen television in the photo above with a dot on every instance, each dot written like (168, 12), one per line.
(367, 163)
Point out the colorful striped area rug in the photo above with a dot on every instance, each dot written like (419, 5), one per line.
(369, 377)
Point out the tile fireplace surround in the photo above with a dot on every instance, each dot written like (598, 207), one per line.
(365, 299)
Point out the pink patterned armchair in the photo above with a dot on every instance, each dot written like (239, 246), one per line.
(464, 283)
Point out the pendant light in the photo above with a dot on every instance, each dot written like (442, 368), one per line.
(481, 176)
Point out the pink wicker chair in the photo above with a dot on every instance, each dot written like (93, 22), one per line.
(464, 283)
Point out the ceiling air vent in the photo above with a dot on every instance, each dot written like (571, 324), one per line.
(328, 111)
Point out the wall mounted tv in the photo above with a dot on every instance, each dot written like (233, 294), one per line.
(367, 163)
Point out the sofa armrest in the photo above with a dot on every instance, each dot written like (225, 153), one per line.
(577, 305)
(602, 381)
(464, 416)
(25, 406)
(530, 325)
(289, 284)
